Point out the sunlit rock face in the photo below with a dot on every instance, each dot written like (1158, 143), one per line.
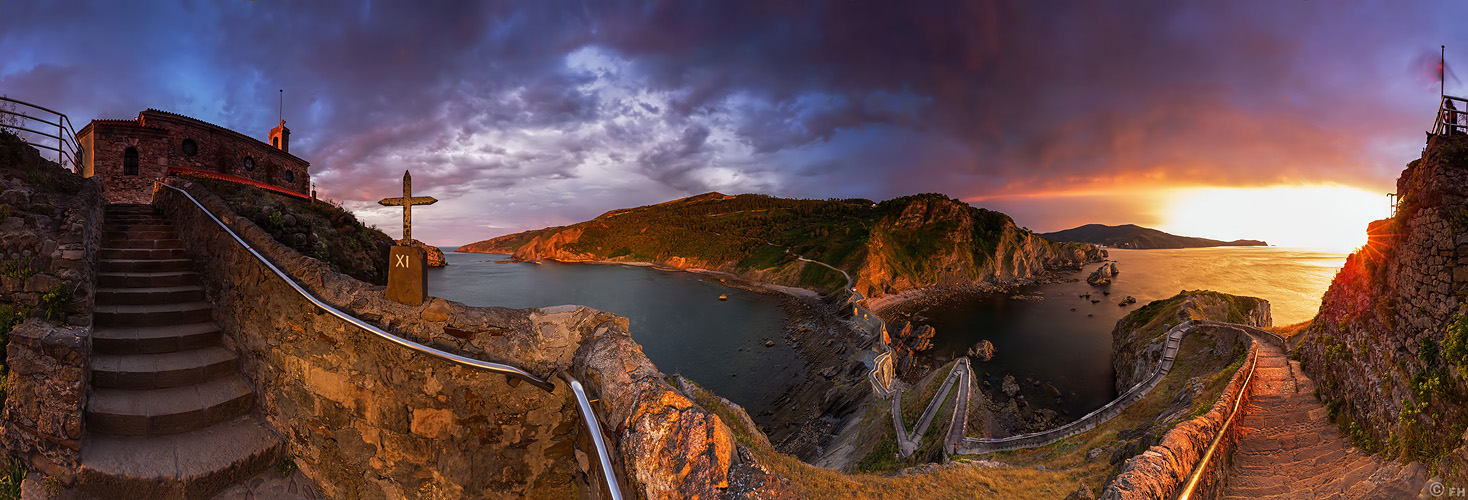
(1383, 348)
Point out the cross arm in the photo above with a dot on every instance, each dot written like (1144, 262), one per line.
(415, 200)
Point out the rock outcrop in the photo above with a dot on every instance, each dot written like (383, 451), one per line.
(1389, 347)
(982, 351)
(1139, 337)
(435, 254)
(1102, 275)
(906, 343)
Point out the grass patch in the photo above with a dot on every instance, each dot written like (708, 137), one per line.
(10, 480)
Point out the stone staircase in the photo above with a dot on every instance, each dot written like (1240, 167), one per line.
(168, 415)
(1289, 449)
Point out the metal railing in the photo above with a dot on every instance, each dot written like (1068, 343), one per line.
(1451, 119)
(582, 403)
(65, 137)
(1186, 492)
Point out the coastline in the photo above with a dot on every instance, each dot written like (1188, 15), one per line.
(808, 413)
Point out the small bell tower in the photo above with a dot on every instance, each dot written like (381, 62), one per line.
(280, 137)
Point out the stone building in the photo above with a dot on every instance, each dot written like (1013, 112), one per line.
(128, 155)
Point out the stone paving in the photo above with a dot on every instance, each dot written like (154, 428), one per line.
(1288, 448)
(270, 485)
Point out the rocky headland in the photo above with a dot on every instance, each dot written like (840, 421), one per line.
(901, 244)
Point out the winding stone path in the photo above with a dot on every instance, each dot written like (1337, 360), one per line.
(908, 443)
(1289, 449)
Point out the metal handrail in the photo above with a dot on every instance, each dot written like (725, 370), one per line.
(583, 404)
(1187, 491)
(66, 143)
(1440, 125)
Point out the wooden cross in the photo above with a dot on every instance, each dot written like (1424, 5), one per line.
(407, 202)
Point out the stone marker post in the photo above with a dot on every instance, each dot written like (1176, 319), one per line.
(407, 282)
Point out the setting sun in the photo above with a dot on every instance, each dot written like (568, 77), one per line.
(1326, 217)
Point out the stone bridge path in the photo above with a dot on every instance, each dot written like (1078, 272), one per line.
(1288, 448)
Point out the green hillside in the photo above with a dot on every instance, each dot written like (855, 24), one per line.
(918, 240)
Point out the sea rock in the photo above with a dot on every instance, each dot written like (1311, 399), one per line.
(435, 255)
(1010, 387)
(1102, 275)
(982, 351)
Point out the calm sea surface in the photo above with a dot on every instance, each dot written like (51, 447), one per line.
(1045, 340)
(678, 318)
(684, 328)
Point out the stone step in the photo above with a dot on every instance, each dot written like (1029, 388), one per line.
(143, 253)
(193, 465)
(110, 227)
(114, 218)
(150, 295)
(144, 266)
(151, 412)
(154, 339)
(138, 235)
(167, 369)
(147, 280)
(136, 243)
(152, 314)
(135, 210)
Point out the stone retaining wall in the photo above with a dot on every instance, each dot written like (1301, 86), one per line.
(368, 419)
(46, 395)
(1159, 472)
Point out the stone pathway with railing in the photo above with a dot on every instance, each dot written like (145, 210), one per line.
(1288, 448)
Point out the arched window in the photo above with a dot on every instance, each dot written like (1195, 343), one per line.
(190, 148)
(275, 141)
(130, 161)
(290, 176)
(249, 164)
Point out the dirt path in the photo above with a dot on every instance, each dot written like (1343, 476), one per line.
(1288, 448)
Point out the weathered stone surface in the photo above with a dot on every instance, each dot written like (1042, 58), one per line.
(46, 394)
(407, 277)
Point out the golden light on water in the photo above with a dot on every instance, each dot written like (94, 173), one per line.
(1325, 217)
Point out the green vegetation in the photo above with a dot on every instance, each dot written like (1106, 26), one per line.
(55, 301)
(320, 230)
(921, 237)
(286, 466)
(13, 474)
(22, 268)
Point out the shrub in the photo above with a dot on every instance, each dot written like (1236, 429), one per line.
(55, 301)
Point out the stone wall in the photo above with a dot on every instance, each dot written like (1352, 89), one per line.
(104, 159)
(50, 238)
(46, 394)
(1379, 347)
(1157, 473)
(46, 240)
(369, 419)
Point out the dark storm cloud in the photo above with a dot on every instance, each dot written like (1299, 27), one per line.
(559, 110)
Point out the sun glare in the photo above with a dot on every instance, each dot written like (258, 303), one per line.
(1329, 217)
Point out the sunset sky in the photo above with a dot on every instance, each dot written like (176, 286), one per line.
(1281, 120)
